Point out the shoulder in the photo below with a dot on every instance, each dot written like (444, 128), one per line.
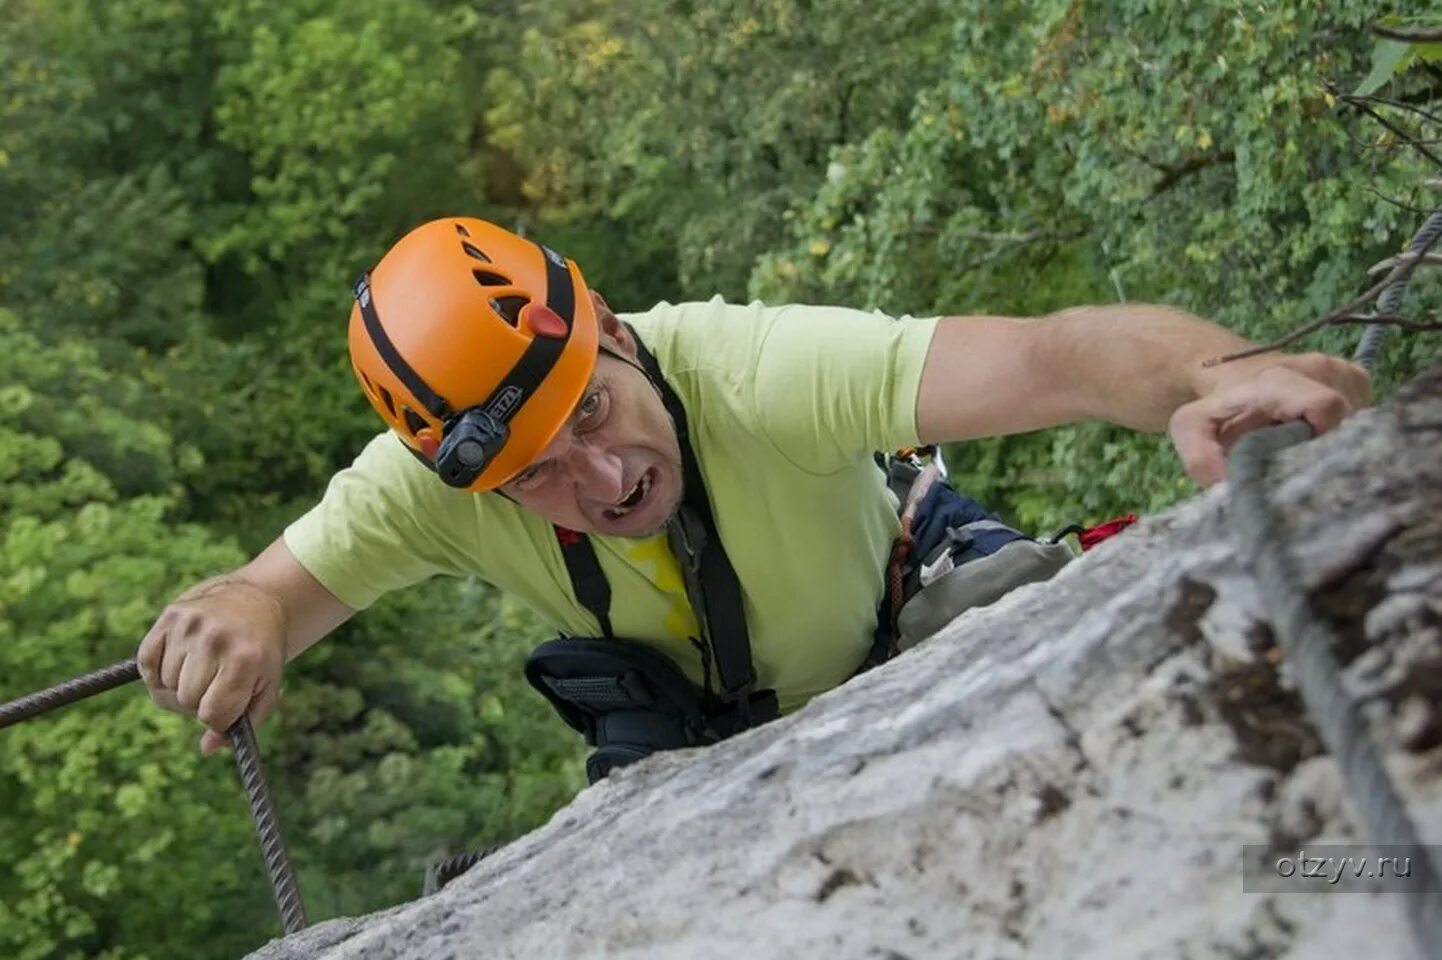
(388, 484)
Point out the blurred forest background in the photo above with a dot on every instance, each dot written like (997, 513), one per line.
(188, 189)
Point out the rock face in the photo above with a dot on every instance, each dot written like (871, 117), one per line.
(1071, 772)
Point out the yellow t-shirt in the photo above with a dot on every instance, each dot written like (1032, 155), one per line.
(786, 406)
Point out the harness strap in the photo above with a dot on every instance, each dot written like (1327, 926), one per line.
(901, 548)
(588, 581)
(722, 614)
(712, 586)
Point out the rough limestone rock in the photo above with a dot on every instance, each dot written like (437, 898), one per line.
(1069, 773)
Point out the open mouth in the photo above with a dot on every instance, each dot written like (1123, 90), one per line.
(635, 498)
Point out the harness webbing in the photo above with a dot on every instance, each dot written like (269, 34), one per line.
(723, 619)
(711, 582)
(588, 580)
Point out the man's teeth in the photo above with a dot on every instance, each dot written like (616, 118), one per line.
(637, 494)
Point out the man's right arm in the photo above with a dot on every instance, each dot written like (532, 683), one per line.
(217, 651)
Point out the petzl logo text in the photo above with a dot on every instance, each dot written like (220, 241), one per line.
(501, 407)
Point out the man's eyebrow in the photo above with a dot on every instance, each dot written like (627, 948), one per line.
(586, 392)
(570, 421)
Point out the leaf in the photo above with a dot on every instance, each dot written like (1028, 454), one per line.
(1385, 58)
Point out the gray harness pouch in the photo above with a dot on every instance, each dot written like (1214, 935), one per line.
(963, 556)
(952, 588)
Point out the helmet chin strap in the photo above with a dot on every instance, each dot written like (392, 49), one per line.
(633, 365)
(628, 362)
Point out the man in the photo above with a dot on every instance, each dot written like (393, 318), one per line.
(531, 428)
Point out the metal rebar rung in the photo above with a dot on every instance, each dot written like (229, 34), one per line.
(247, 761)
(71, 691)
(267, 827)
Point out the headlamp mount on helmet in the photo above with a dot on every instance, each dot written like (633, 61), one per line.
(474, 436)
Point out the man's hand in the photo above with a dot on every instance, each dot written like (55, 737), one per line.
(216, 653)
(1260, 392)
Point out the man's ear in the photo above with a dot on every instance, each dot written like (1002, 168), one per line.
(614, 333)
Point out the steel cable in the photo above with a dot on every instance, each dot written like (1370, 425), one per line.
(1307, 641)
(1391, 297)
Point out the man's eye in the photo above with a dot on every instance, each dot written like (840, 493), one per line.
(591, 407)
(527, 476)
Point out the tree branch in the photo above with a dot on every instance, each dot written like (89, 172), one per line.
(1172, 175)
(1409, 34)
(1398, 131)
(1010, 241)
(1399, 104)
(1426, 260)
(1343, 314)
(1421, 211)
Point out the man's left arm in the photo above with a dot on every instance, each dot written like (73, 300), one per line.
(1133, 364)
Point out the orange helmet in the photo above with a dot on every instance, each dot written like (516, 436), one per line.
(474, 345)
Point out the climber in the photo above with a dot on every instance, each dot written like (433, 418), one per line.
(688, 494)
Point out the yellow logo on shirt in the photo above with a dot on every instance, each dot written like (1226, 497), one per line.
(680, 621)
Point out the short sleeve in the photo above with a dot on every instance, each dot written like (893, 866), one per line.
(832, 384)
(374, 530)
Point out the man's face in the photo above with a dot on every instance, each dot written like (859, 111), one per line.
(615, 467)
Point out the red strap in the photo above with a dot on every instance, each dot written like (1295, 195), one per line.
(1092, 536)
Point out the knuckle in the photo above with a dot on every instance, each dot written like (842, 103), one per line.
(247, 657)
(148, 657)
(214, 639)
(213, 715)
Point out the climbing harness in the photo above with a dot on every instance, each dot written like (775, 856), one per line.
(626, 698)
(247, 762)
(1307, 641)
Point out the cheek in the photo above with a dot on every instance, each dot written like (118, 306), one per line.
(555, 506)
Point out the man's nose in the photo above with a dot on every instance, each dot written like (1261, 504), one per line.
(598, 475)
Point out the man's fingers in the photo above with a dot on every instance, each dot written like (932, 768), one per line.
(174, 656)
(262, 705)
(152, 647)
(195, 679)
(1241, 424)
(228, 696)
(1350, 379)
(165, 700)
(1321, 407)
(1195, 433)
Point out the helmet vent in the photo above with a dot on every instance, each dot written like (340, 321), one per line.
(461, 229)
(386, 399)
(487, 279)
(475, 251)
(413, 420)
(509, 308)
